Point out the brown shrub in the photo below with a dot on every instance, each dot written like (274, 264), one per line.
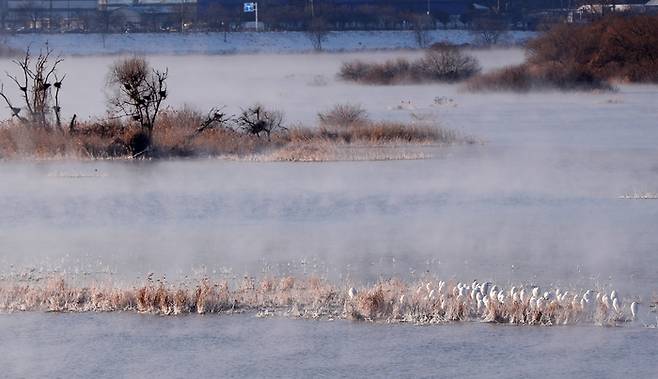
(343, 115)
(571, 56)
(442, 63)
(617, 47)
(447, 64)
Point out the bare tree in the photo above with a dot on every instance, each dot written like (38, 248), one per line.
(36, 82)
(256, 120)
(318, 32)
(138, 90)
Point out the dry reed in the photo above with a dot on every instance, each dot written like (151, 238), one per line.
(389, 301)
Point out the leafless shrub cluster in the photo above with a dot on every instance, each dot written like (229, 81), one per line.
(257, 119)
(343, 115)
(441, 64)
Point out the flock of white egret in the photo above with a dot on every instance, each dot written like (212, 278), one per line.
(440, 301)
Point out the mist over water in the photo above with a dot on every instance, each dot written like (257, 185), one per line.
(536, 204)
(471, 213)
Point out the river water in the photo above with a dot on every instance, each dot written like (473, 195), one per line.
(537, 203)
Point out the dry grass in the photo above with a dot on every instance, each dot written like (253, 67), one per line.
(177, 134)
(424, 302)
(442, 63)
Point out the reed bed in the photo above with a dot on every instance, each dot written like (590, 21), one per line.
(388, 301)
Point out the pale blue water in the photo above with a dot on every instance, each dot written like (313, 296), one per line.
(136, 346)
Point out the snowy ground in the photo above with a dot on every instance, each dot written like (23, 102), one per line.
(244, 42)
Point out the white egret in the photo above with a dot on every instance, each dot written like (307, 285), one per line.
(484, 288)
(351, 292)
(587, 296)
(634, 310)
(493, 295)
(535, 292)
(494, 288)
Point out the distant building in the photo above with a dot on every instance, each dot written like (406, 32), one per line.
(47, 14)
(80, 15)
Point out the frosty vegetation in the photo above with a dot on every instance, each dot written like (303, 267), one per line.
(429, 301)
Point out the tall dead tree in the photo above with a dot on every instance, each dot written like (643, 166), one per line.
(39, 103)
